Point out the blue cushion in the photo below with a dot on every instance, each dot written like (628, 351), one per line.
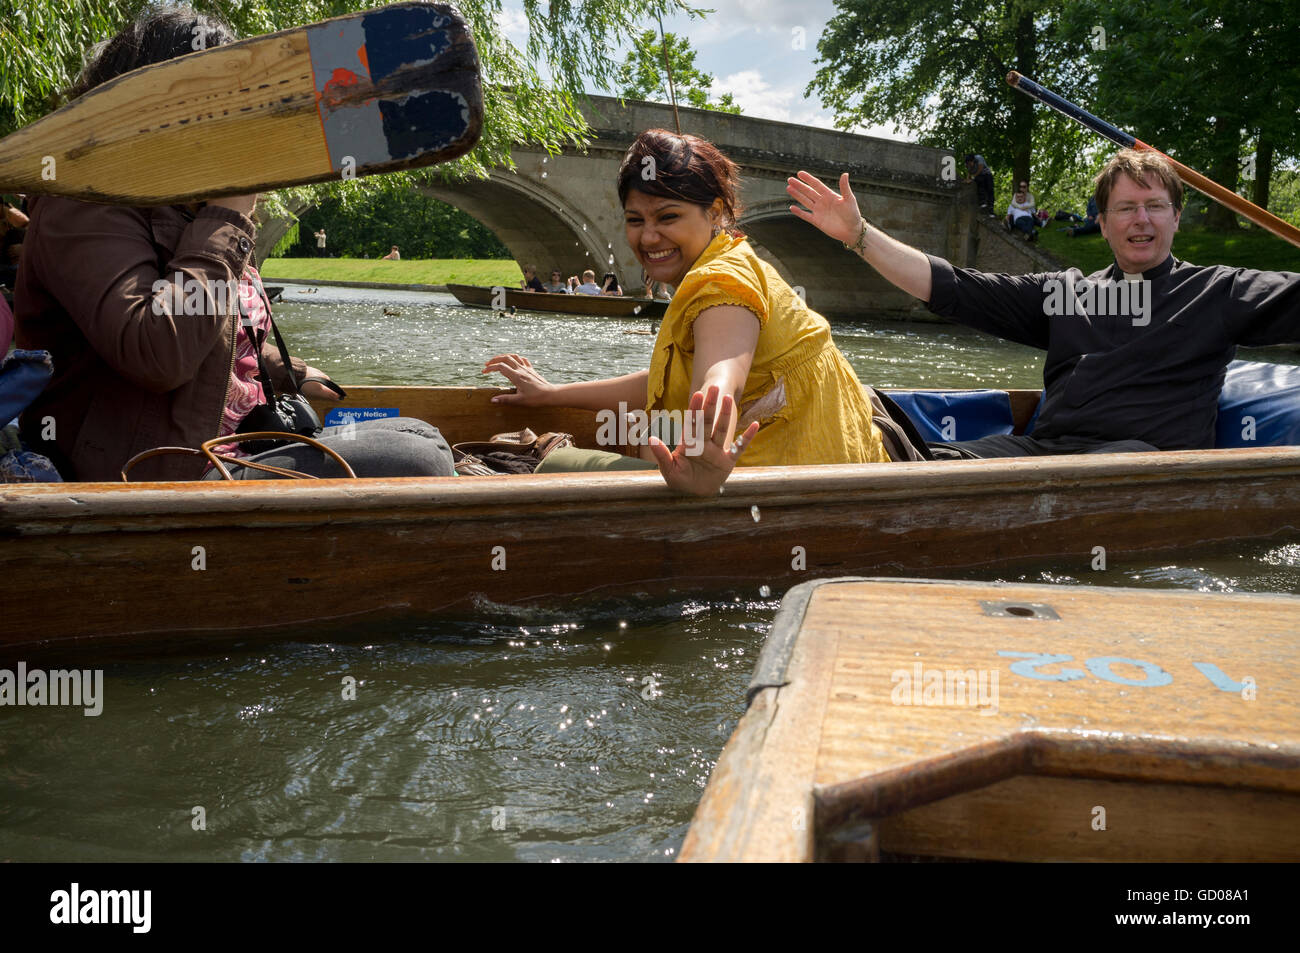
(1268, 394)
(23, 375)
(972, 413)
(1263, 398)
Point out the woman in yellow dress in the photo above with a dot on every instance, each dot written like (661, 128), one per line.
(736, 339)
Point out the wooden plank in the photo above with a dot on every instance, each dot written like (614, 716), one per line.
(1056, 819)
(458, 411)
(952, 703)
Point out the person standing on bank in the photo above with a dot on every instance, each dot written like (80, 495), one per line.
(140, 309)
(1133, 381)
(320, 243)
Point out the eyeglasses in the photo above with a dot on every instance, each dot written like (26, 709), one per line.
(1155, 209)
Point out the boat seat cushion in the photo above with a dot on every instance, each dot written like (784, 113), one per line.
(1259, 406)
(944, 416)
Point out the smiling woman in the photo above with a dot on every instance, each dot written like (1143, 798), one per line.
(735, 334)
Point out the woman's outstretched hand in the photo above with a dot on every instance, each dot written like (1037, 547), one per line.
(836, 215)
(531, 388)
(707, 424)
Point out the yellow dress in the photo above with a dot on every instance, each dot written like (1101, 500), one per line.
(825, 417)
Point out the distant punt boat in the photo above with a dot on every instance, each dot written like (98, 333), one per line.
(604, 306)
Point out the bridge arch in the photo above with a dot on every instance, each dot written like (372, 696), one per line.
(561, 211)
(538, 225)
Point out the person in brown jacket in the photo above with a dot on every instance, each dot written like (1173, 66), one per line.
(139, 308)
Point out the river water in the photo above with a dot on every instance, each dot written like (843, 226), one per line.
(548, 737)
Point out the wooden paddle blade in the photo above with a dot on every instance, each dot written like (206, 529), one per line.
(377, 91)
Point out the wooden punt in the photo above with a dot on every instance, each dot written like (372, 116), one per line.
(1092, 724)
(603, 306)
(101, 561)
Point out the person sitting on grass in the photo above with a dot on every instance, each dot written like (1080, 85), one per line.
(1021, 213)
(737, 346)
(393, 255)
(1089, 226)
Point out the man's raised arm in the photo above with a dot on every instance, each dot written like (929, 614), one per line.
(838, 216)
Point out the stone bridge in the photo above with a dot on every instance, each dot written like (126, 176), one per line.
(561, 211)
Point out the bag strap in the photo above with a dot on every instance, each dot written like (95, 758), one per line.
(268, 386)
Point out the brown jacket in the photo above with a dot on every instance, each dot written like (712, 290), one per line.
(129, 374)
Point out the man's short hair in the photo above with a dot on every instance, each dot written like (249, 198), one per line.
(589, 274)
(1136, 165)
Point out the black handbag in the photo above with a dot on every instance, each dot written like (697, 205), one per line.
(289, 413)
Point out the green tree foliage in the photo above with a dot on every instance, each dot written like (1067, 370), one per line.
(940, 68)
(642, 75)
(1211, 82)
(421, 226)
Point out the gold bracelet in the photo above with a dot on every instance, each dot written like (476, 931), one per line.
(860, 245)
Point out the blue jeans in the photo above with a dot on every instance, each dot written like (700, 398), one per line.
(390, 447)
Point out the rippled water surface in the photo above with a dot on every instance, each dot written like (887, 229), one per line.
(540, 736)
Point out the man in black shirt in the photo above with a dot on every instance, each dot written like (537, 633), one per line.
(1136, 353)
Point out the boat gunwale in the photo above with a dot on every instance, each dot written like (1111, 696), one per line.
(27, 504)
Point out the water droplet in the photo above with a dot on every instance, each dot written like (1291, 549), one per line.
(765, 591)
(544, 158)
(584, 228)
(611, 259)
(609, 244)
(636, 310)
(622, 625)
(753, 511)
(543, 175)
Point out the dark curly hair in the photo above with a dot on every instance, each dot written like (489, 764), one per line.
(156, 35)
(683, 167)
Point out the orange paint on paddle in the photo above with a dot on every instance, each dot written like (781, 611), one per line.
(337, 85)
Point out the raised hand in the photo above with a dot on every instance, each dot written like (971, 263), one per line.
(836, 215)
(708, 421)
(531, 388)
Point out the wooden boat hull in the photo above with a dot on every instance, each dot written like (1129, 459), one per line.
(106, 560)
(603, 306)
(1013, 722)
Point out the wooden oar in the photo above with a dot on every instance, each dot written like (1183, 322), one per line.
(385, 89)
(1283, 230)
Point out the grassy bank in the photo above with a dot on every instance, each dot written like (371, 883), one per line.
(1247, 248)
(436, 271)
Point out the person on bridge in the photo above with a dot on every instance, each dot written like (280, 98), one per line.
(1145, 378)
(979, 173)
(737, 347)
